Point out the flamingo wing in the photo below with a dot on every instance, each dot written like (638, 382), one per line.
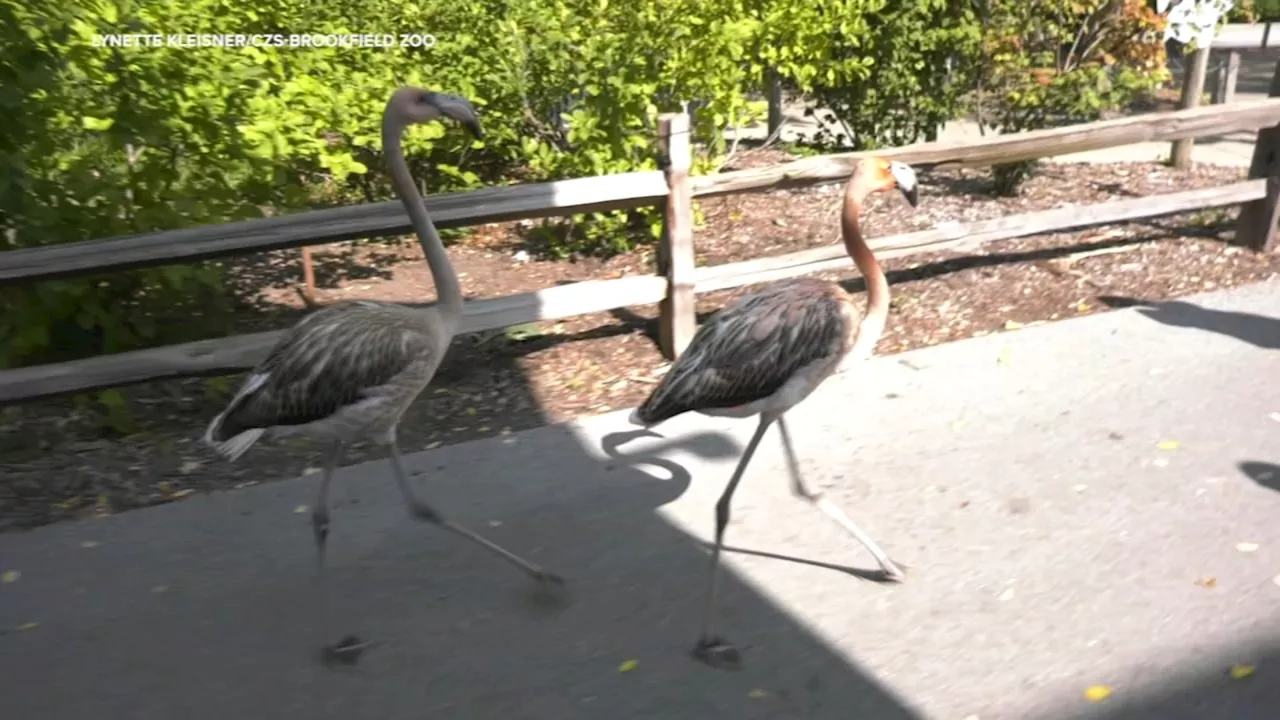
(749, 350)
(332, 359)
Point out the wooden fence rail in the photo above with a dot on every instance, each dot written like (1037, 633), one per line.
(678, 280)
(608, 192)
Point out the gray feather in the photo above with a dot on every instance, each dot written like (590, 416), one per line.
(332, 360)
(749, 350)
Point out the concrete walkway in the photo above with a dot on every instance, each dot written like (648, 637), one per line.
(1053, 545)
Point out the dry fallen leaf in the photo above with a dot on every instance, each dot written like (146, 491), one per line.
(471, 411)
(1207, 582)
(10, 576)
(1012, 324)
(627, 666)
(1097, 693)
(1160, 462)
(28, 626)
(1240, 672)
(1246, 546)
(757, 694)
(301, 509)
(1005, 357)
(1167, 445)
(1080, 488)
(89, 544)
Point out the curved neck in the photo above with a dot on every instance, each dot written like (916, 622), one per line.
(448, 292)
(872, 325)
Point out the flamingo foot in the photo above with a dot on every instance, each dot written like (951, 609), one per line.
(718, 654)
(346, 652)
(893, 573)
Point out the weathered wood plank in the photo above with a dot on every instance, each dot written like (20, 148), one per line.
(462, 209)
(1192, 89)
(1226, 79)
(1256, 226)
(211, 357)
(241, 352)
(308, 276)
(1158, 127)
(677, 316)
(969, 236)
(596, 194)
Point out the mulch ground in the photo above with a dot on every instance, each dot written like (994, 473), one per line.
(57, 463)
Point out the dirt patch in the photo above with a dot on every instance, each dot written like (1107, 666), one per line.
(56, 464)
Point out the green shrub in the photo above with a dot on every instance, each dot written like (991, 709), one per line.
(1081, 61)
(880, 67)
(108, 141)
(1251, 11)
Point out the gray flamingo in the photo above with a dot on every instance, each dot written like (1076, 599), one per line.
(351, 370)
(766, 353)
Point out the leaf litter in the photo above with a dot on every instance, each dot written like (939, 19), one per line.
(1240, 672)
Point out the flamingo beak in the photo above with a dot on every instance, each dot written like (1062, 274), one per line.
(905, 178)
(458, 108)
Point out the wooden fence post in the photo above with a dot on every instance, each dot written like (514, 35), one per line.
(677, 320)
(308, 277)
(1256, 225)
(1224, 84)
(1192, 89)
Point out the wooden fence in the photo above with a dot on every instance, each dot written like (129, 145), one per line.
(678, 279)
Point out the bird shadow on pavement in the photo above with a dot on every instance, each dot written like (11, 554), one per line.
(1263, 473)
(613, 441)
(1257, 330)
(209, 608)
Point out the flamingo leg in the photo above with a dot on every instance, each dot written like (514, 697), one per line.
(711, 649)
(349, 648)
(890, 569)
(426, 513)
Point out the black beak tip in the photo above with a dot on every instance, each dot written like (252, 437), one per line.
(474, 127)
(913, 197)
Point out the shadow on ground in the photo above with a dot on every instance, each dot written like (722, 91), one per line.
(209, 608)
(1204, 691)
(1263, 332)
(1263, 473)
